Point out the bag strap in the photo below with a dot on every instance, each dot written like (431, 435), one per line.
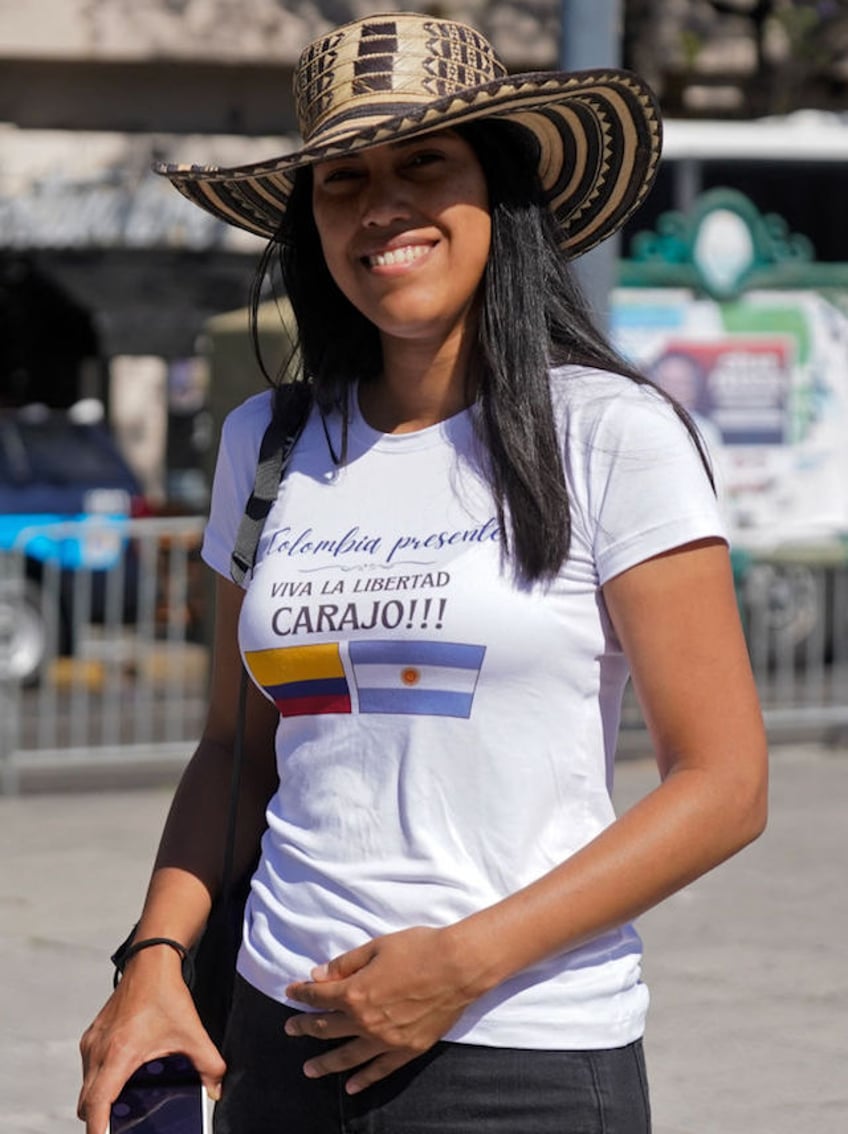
(292, 404)
(235, 787)
(288, 420)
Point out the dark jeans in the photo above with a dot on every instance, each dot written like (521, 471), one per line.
(455, 1088)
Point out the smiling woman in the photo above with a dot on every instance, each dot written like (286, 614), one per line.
(487, 523)
(405, 232)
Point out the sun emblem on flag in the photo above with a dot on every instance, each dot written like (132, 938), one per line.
(410, 675)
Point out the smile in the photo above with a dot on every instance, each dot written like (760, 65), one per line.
(406, 255)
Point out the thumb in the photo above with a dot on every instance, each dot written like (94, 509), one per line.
(345, 965)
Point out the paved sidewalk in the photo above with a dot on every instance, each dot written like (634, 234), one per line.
(747, 1032)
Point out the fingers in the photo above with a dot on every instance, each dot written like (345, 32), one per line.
(104, 1081)
(369, 1055)
(324, 1026)
(210, 1067)
(111, 1051)
(370, 994)
(342, 1058)
(101, 1086)
(325, 989)
(315, 994)
(370, 1058)
(346, 964)
(339, 1059)
(379, 1068)
(104, 1073)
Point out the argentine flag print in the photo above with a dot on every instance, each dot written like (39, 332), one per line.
(432, 679)
(425, 678)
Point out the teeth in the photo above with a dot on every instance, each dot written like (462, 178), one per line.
(403, 255)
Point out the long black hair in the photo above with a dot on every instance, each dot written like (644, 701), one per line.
(532, 317)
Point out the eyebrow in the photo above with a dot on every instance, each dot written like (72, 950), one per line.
(400, 144)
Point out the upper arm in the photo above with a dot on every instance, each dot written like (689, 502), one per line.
(678, 624)
(261, 717)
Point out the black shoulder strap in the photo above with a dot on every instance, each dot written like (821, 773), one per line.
(292, 404)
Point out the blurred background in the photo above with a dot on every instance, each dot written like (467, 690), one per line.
(123, 331)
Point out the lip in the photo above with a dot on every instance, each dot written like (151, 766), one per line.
(398, 253)
(402, 257)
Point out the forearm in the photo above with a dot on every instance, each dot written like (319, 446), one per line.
(393, 997)
(677, 622)
(675, 834)
(190, 860)
(151, 1011)
(188, 869)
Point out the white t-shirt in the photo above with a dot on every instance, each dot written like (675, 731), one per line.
(447, 735)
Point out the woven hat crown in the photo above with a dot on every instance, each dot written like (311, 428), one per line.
(374, 69)
(397, 75)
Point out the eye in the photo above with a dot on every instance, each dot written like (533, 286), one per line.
(338, 175)
(424, 158)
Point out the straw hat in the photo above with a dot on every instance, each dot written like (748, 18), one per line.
(397, 75)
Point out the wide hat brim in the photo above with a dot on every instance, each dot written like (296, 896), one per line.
(599, 138)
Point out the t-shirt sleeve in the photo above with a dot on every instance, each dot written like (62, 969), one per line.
(640, 484)
(235, 469)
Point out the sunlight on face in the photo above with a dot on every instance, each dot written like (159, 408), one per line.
(406, 233)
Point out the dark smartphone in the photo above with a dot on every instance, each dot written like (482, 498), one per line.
(164, 1096)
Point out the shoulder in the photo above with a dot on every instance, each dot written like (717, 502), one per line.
(603, 416)
(587, 401)
(639, 485)
(238, 447)
(249, 419)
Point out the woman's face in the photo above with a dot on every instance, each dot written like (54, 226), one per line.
(406, 231)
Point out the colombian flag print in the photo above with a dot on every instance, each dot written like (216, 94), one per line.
(302, 680)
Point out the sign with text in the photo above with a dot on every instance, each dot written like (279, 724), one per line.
(741, 384)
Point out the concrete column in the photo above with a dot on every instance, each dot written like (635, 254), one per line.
(590, 37)
(139, 401)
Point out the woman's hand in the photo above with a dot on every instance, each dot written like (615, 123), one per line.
(149, 1014)
(395, 996)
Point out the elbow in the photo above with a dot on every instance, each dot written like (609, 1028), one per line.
(751, 800)
(756, 819)
(761, 813)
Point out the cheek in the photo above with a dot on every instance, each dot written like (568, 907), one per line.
(330, 236)
(476, 244)
(337, 263)
(325, 237)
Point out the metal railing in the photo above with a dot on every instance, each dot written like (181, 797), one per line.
(103, 661)
(116, 654)
(793, 601)
(794, 605)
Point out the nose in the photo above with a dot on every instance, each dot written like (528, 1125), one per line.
(385, 202)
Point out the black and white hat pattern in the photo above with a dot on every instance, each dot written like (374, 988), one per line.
(386, 77)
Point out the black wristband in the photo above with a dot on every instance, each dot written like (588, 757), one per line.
(130, 948)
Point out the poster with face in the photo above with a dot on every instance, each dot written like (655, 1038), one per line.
(742, 384)
(765, 378)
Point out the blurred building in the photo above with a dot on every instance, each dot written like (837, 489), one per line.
(104, 267)
(92, 91)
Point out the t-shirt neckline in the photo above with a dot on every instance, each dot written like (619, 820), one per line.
(452, 429)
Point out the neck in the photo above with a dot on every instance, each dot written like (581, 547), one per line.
(420, 386)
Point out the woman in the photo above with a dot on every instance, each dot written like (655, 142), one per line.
(486, 522)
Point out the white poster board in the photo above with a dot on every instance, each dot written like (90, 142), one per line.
(766, 379)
